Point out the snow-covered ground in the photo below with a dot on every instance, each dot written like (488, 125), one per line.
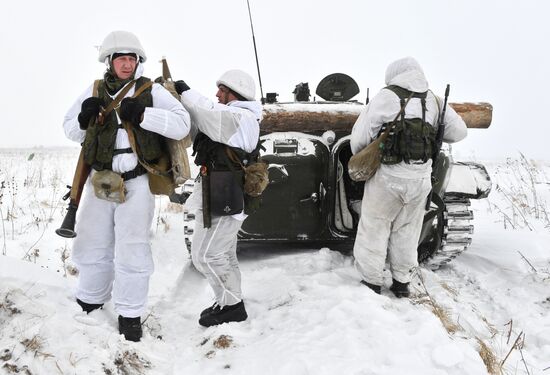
(308, 312)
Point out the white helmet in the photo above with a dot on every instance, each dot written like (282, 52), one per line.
(240, 82)
(121, 41)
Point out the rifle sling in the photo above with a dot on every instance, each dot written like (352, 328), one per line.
(114, 104)
(81, 167)
(394, 122)
(132, 138)
(232, 156)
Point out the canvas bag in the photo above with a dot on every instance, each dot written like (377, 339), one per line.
(161, 181)
(160, 175)
(256, 175)
(363, 165)
(256, 178)
(109, 186)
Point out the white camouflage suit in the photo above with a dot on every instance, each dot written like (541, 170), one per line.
(112, 242)
(213, 249)
(394, 199)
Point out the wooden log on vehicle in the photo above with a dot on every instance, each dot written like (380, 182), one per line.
(475, 115)
(318, 117)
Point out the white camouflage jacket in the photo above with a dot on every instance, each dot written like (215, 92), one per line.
(383, 108)
(236, 124)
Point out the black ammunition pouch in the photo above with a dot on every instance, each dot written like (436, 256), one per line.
(226, 192)
(409, 140)
(223, 182)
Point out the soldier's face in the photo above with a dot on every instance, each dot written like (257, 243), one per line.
(225, 95)
(124, 66)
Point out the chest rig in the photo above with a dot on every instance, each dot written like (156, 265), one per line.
(213, 154)
(100, 140)
(411, 139)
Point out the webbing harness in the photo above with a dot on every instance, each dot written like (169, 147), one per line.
(402, 140)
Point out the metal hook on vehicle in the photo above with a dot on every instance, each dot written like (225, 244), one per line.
(314, 197)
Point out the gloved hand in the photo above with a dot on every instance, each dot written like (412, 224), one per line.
(89, 109)
(181, 86)
(131, 110)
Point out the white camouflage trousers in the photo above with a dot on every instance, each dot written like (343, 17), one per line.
(391, 220)
(112, 247)
(214, 254)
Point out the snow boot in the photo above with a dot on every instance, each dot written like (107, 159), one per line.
(400, 289)
(210, 309)
(130, 328)
(89, 307)
(226, 314)
(375, 288)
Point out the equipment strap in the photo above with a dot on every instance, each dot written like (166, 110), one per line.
(95, 89)
(119, 151)
(132, 138)
(232, 157)
(76, 192)
(137, 171)
(116, 101)
(401, 111)
(425, 135)
(403, 93)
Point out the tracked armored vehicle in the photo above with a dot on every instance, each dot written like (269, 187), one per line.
(311, 200)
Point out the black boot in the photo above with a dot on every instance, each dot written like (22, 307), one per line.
(210, 309)
(89, 307)
(130, 328)
(400, 289)
(375, 288)
(226, 314)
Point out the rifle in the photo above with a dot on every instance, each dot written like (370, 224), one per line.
(441, 126)
(438, 141)
(165, 70)
(80, 176)
(81, 173)
(83, 169)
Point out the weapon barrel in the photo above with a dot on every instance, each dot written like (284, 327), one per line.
(67, 227)
(79, 180)
(165, 70)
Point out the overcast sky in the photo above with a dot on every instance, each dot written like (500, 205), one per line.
(495, 51)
